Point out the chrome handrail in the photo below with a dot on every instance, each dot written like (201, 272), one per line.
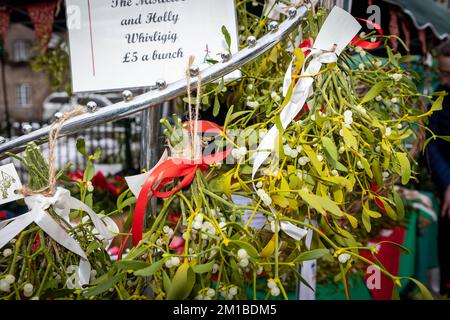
(126, 108)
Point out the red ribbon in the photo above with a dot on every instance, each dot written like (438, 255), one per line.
(368, 45)
(167, 171)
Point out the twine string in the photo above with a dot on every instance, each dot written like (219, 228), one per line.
(193, 119)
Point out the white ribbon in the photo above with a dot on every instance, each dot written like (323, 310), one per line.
(62, 202)
(338, 30)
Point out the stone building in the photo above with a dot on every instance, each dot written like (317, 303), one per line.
(25, 89)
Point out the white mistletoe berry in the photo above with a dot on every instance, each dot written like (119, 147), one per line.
(271, 284)
(168, 263)
(4, 285)
(210, 292)
(303, 160)
(388, 131)
(242, 254)
(359, 165)
(243, 263)
(253, 104)
(233, 291)
(275, 96)
(7, 252)
(10, 279)
(344, 257)
(28, 290)
(275, 291)
(197, 225)
(397, 76)
(175, 261)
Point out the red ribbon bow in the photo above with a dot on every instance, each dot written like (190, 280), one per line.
(167, 171)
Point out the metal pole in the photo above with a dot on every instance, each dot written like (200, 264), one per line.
(150, 137)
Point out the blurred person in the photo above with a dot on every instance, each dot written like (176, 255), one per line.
(439, 160)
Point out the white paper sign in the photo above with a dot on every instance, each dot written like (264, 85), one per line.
(9, 183)
(117, 44)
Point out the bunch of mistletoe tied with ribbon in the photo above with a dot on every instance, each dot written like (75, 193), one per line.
(275, 186)
(58, 246)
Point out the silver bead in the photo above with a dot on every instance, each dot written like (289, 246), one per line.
(292, 12)
(194, 70)
(58, 116)
(161, 84)
(251, 41)
(226, 56)
(2, 140)
(273, 26)
(91, 106)
(127, 95)
(26, 128)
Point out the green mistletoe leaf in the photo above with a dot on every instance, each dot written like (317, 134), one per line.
(252, 252)
(203, 268)
(405, 167)
(182, 283)
(374, 91)
(349, 139)
(150, 270)
(330, 148)
(227, 36)
(312, 255)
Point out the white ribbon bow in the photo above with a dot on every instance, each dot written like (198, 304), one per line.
(338, 30)
(62, 202)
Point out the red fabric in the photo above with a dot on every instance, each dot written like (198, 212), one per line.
(389, 256)
(4, 22)
(166, 172)
(42, 15)
(177, 244)
(406, 28)
(423, 41)
(393, 28)
(378, 201)
(368, 45)
(3, 215)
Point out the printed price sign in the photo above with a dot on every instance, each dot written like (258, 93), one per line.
(118, 44)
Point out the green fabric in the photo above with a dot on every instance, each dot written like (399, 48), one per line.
(407, 261)
(427, 254)
(426, 13)
(422, 244)
(357, 286)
